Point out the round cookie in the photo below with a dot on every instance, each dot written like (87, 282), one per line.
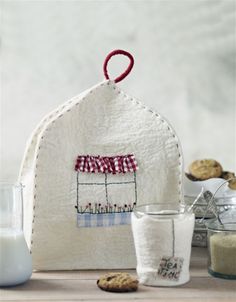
(118, 282)
(227, 175)
(205, 169)
(190, 177)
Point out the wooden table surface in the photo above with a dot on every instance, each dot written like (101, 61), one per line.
(81, 286)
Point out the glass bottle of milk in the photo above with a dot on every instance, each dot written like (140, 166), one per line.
(15, 258)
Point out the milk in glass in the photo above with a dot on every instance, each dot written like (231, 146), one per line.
(15, 258)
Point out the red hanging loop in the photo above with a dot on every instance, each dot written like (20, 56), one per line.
(127, 71)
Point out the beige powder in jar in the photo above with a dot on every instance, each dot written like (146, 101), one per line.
(223, 253)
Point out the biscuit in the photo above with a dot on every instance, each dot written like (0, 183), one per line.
(190, 177)
(205, 169)
(118, 282)
(227, 175)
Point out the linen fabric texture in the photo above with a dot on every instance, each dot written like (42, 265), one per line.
(104, 121)
(103, 220)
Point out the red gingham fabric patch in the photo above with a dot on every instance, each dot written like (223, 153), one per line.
(106, 164)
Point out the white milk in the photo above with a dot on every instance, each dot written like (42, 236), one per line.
(15, 259)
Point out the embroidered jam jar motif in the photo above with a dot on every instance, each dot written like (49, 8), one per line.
(110, 171)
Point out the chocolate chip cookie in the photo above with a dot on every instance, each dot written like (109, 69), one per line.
(118, 282)
(205, 169)
(228, 175)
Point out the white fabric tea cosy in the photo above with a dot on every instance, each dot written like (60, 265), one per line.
(86, 165)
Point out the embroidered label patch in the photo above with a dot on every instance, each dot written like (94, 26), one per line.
(170, 268)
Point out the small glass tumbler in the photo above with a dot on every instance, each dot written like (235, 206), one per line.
(15, 258)
(221, 249)
(162, 237)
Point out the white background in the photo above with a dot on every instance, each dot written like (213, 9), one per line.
(184, 66)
